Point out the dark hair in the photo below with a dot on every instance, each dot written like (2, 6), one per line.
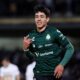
(6, 56)
(43, 9)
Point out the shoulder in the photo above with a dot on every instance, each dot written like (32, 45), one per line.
(13, 66)
(1, 68)
(15, 69)
(32, 33)
(54, 29)
(1, 71)
(51, 28)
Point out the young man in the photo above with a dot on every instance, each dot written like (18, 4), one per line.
(8, 70)
(51, 49)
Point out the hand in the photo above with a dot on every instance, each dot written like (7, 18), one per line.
(26, 42)
(58, 71)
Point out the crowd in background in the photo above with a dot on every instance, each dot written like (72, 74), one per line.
(22, 8)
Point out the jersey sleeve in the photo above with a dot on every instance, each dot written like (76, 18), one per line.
(67, 45)
(16, 71)
(61, 38)
(1, 72)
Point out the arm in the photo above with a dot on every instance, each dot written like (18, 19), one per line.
(1, 74)
(27, 47)
(1, 78)
(67, 55)
(17, 72)
(64, 42)
(18, 77)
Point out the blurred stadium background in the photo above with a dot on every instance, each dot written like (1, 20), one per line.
(17, 19)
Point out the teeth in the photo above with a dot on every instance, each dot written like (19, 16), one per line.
(39, 22)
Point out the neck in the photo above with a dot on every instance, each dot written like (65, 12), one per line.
(7, 65)
(41, 29)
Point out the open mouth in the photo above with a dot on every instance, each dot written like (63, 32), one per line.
(39, 23)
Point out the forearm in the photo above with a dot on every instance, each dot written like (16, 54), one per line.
(29, 54)
(18, 77)
(68, 54)
(1, 78)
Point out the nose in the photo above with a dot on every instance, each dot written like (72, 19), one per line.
(39, 18)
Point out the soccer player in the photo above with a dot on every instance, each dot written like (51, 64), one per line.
(8, 70)
(51, 49)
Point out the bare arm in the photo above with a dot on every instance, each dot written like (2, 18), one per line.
(18, 77)
(1, 78)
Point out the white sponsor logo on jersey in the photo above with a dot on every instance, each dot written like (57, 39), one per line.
(34, 46)
(58, 31)
(33, 39)
(37, 54)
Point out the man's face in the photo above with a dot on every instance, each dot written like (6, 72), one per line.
(5, 63)
(41, 20)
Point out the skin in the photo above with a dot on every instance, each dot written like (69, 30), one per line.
(5, 63)
(58, 71)
(41, 21)
(18, 77)
(1, 78)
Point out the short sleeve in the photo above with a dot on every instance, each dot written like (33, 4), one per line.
(17, 72)
(1, 72)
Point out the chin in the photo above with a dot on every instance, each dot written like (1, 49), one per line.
(39, 26)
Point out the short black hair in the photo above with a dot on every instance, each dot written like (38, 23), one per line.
(43, 9)
(6, 56)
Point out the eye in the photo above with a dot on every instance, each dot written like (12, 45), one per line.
(36, 16)
(42, 16)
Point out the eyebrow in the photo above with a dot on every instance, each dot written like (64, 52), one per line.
(40, 15)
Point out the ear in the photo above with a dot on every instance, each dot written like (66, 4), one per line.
(48, 19)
